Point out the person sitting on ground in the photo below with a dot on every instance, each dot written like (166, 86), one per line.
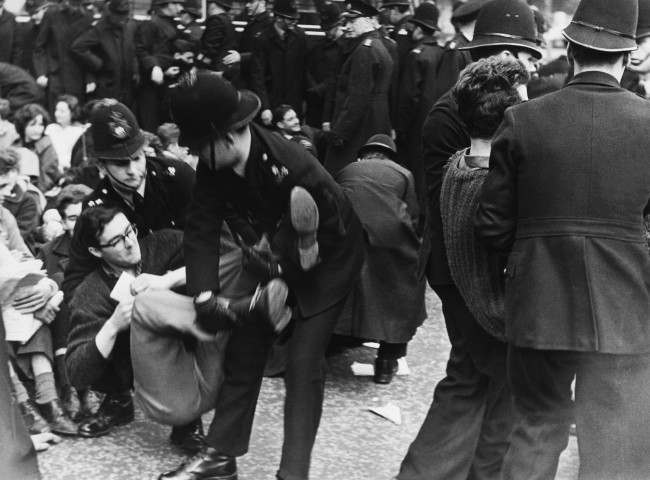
(288, 125)
(8, 134)
(30, 121)
(169, 135)
(65, 132)
(100, 354)
(23, 206)
(388, 302)
(54, 255)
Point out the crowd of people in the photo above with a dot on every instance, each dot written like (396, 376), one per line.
(185, 207)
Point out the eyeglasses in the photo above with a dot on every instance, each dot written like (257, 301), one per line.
(130, 232)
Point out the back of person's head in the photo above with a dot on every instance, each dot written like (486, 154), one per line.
(26, 114)
(280, 111)
(588, 57)
(485, 90)
(91, 224)
(168, 133)
(70, 195)
(9, 160)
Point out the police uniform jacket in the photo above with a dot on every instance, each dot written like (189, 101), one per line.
(278, 68)
(52, 55)
(167, 195)
(9, 41)
(416, 97)
(218, 37)
(324, 62)
(253, 29)
(274, 167)
(568, 186)
(154, 45)
(108, 52)
(361, 108)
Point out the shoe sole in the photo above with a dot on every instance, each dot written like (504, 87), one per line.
(304, 216)
(276, 292)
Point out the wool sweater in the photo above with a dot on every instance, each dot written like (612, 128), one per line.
(91, 306)
(474, 270)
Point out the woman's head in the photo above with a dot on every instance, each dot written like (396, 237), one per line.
(67, 110)
(484, 90)
(9, 165)
(30, 121)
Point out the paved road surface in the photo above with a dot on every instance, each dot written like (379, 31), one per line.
(352, 444)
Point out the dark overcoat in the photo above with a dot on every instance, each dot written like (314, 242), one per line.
(53, 58)
(108, 52)
(274, 167)
(568, 185)
(361, 108)
(417, 94)
(253, 29)
(218, 38)
(18, 86)
(278, 68)
(388, 301)
(9, 38)
(323, 62)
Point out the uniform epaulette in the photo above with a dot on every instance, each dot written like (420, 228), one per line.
(403, 31)
(367, 42)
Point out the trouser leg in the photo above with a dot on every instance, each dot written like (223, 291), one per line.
(391, 351)
(471, 393)
(305, 384)
(541, 387)
(176, 379)
(613, 423)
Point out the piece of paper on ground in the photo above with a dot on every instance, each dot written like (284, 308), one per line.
(390, 412)
(368, 369)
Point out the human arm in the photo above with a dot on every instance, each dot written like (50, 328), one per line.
(40, 48)
(84, 48)
(496, 218)
(170, 280)
(212, 40)
(118, 322)
(258, 67)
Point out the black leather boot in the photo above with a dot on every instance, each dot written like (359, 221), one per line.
(385, 370)
(207, 465)
(34, 421)
(188, 438)
(115, 410)
(57, 418)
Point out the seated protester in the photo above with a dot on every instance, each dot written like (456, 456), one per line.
(13, 197)
(66, 130)
(54, 255)
(99, 352)
(30, 121)
(388, 303)
(152, 192)
(169, 135)
(33, 358)
(484, 91)
(8, 134)
(287, 122)
(83, 164)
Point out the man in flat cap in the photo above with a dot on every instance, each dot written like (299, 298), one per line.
(565, 198)
(361, 107)
(284, 194)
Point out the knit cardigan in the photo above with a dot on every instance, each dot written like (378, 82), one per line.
(475, 272)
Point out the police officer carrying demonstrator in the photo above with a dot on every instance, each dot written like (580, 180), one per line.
(361, 106)
(565, 198)
(316, 237)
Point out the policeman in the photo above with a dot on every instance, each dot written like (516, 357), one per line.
(219, 38)
(401, 30)
(417, 89)
(361, 107)
(154, 47)
(284, 193)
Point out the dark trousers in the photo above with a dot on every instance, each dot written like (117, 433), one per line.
(465, 433)
(244, 362)
(612, 405)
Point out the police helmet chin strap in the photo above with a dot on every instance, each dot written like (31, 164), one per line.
(119, 183)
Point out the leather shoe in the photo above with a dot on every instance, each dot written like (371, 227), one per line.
(305, 220)
(114, 411)
(189, 438)
(207, 465)
(57, 419)
(71, 403)
(385, 370)
(34, 421)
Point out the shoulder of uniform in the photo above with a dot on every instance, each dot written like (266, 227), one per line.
(416, 51)
(367, 42)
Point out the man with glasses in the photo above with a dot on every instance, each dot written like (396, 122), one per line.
(361, 107)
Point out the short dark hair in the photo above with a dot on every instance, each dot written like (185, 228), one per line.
(91, 224)
(26, 114)
(483, 92)
(73, 105)
(490, 51)
(70, 195)
(9, 160)
(280, 111)
(588, 56)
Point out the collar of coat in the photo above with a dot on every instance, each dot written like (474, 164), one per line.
(594, 78)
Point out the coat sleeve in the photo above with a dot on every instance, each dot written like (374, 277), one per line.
(258, 67)
(83, 49)
(213, 39)
(496, 217)
(144, 38)
(49, 166)
(410, 92)
(185, 178)
(203, 233)
(40, 45)
(360, 87)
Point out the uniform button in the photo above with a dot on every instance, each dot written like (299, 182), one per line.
(153, 173)
(104, 191)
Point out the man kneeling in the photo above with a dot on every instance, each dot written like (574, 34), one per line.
(161, 350)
